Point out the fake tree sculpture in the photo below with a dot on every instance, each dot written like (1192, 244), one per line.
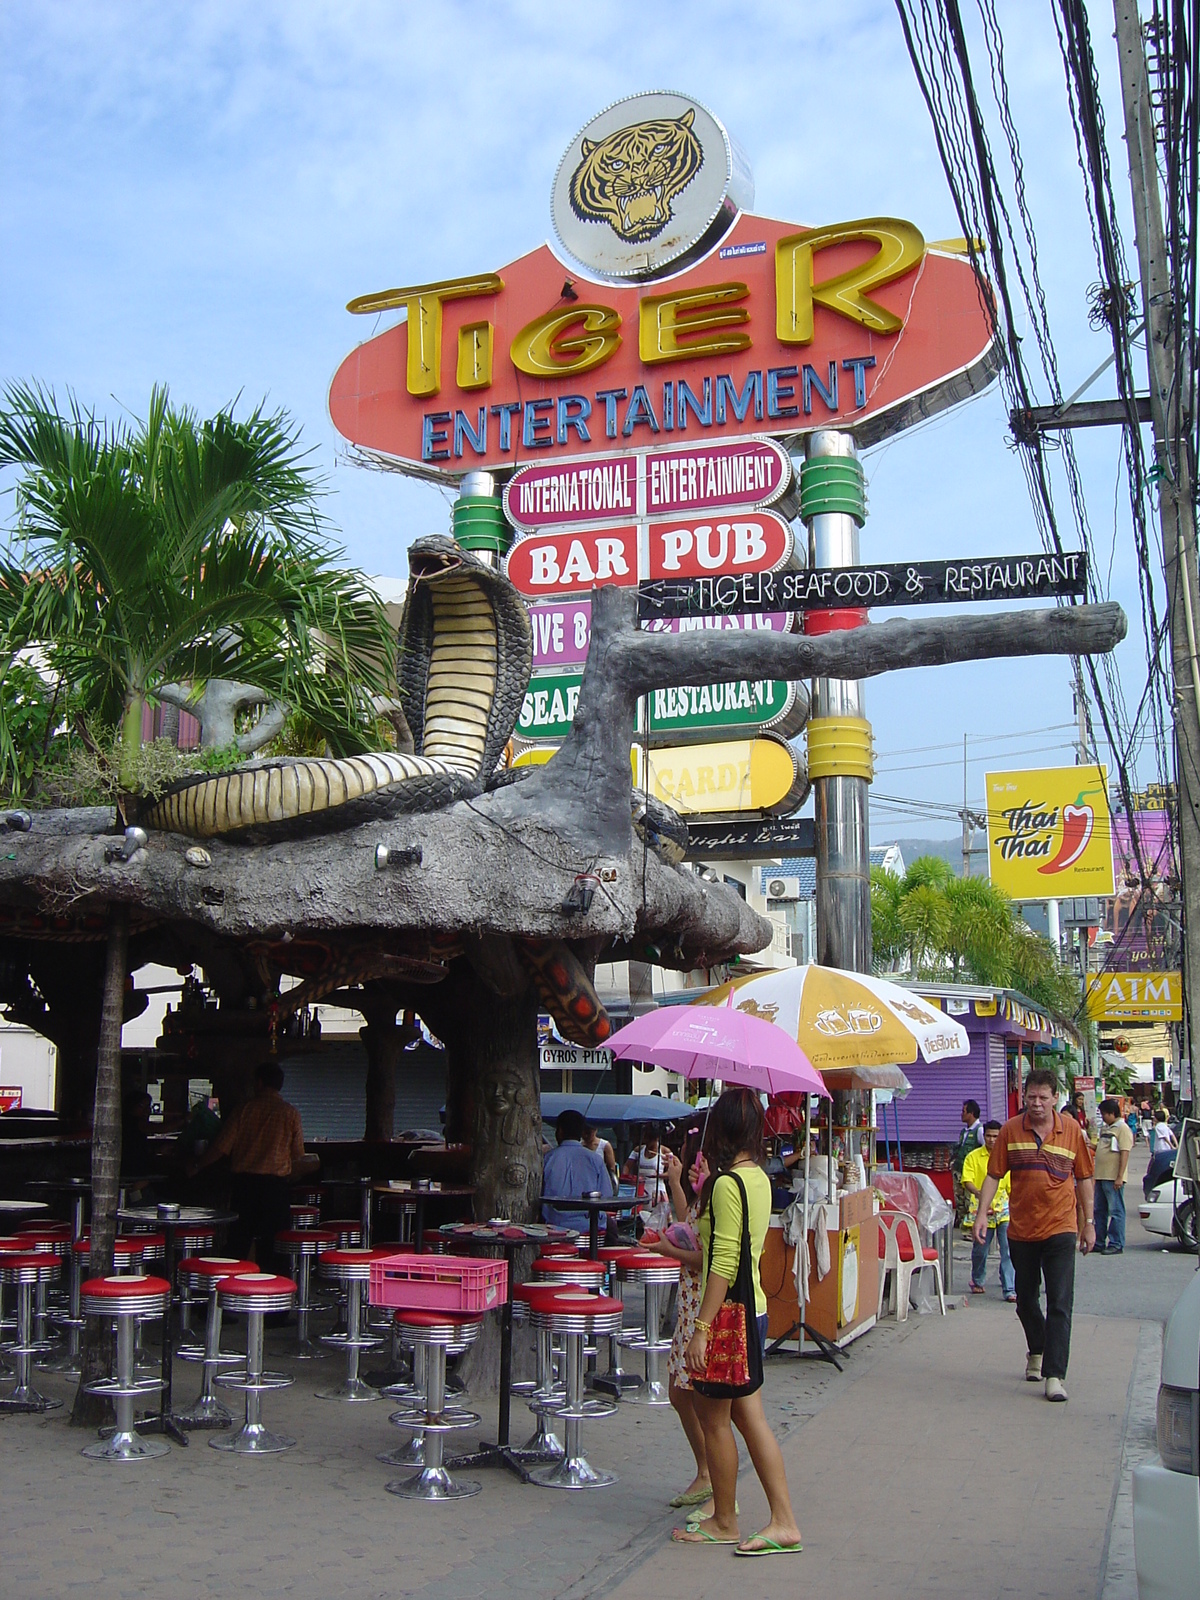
(470, 914)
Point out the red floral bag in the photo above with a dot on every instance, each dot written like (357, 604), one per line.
(733, 1364)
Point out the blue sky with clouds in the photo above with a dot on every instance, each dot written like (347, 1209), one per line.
(192, 193)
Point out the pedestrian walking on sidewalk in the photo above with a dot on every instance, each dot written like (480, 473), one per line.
(974, 1176)
(1113, 1145)
(1050, 1162)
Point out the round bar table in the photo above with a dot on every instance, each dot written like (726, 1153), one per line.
(595, 1205)
(188, 1217)
(418, 1200)
(479, 1238)
(22, 1210)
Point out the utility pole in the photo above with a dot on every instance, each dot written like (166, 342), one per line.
(1170, 408)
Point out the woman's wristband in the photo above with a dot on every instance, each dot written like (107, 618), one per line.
(702, 1327)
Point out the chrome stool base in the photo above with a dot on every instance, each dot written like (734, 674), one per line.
(435, 1483)
(252, 1439)
(572, 1472)
(208, 1412)
(126, 1447)
(352, 1390)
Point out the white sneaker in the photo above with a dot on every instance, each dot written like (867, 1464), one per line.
(1055, 1389)
(1033, 1368)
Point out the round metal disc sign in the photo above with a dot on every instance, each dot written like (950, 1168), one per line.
(648, 186)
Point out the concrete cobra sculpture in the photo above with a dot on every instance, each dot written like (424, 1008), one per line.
(462, 668)
(465, 652)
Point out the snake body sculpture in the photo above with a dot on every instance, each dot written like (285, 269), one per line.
(465, 652)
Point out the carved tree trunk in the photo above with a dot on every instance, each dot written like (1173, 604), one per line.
(383, 1042)
(492, 1077)
(96, 1363)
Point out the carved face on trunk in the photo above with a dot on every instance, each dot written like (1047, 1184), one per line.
(505, 1102)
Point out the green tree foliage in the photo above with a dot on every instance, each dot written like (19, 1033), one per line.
(176, 549)
(963, 929)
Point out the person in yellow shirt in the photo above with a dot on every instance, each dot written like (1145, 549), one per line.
(973, 1174)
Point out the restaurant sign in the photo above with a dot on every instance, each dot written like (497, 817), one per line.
(1050, 832)
(904, 583)
(1135, 997)
(697, 709)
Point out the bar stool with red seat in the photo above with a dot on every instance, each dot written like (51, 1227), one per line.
(543, 1442)
(301, 1245)
(46, 1238)
(616, 1378)
(254, 1294)
(351, 1268)
(26, 1270)
(10, 1245)
(437, 1332)
(128, 1299)
(577, 1315)
(196, 1241)
(655, 1273)
(203, 1274)
(305, 1215)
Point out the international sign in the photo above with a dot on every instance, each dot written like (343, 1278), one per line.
(902, 583)
(581, 559)
(791, 329)
(1135, 997)
(742, 473)
(1050, 832)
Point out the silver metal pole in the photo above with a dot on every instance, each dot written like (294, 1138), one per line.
(843, 895)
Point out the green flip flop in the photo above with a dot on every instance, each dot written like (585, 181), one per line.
(697, 1497)
(679, 1536)
(769, 1548)
(694, 1521)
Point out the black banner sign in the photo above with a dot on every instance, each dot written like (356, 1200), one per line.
(750, 841)
(903, 583)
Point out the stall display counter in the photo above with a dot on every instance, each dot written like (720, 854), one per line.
(844, 1303)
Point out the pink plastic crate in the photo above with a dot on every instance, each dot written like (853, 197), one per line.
(438, 1283)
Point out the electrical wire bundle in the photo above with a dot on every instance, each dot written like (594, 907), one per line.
(936, 40)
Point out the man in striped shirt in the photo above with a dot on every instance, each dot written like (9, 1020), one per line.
(1050, 1160)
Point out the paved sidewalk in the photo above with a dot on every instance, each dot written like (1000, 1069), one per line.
(928, 1468)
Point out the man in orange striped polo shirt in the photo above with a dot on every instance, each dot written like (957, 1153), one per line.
(1050, 1161)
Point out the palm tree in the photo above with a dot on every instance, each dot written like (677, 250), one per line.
(173, 549)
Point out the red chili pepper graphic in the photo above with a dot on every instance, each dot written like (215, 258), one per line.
(1078, 822)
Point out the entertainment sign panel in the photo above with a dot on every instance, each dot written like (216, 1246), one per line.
(1050, 832)
(902, 583)
(741, 474)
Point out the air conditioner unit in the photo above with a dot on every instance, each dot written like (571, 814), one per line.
(783, 888)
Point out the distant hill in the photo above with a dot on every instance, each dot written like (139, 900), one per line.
(948, 849)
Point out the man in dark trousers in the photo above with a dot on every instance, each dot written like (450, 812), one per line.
(1050, 1161)
(265, 1145)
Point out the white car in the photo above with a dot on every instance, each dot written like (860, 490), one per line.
(1166, 1496)
(1171, 1210)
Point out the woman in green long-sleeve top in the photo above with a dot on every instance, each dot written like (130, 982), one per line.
(733, 1148)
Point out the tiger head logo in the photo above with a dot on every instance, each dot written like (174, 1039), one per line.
(752, 1008)
(629, 178)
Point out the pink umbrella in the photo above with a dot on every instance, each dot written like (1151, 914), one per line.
(718, 1042)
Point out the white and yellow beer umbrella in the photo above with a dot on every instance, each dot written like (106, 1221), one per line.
(845, 1019)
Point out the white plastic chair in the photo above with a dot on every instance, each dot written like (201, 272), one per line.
(891, 1223)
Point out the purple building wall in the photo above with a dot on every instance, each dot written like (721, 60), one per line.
(932, 1112)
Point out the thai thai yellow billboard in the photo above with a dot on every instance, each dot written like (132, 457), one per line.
(1135, 997)
(1050, 832)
